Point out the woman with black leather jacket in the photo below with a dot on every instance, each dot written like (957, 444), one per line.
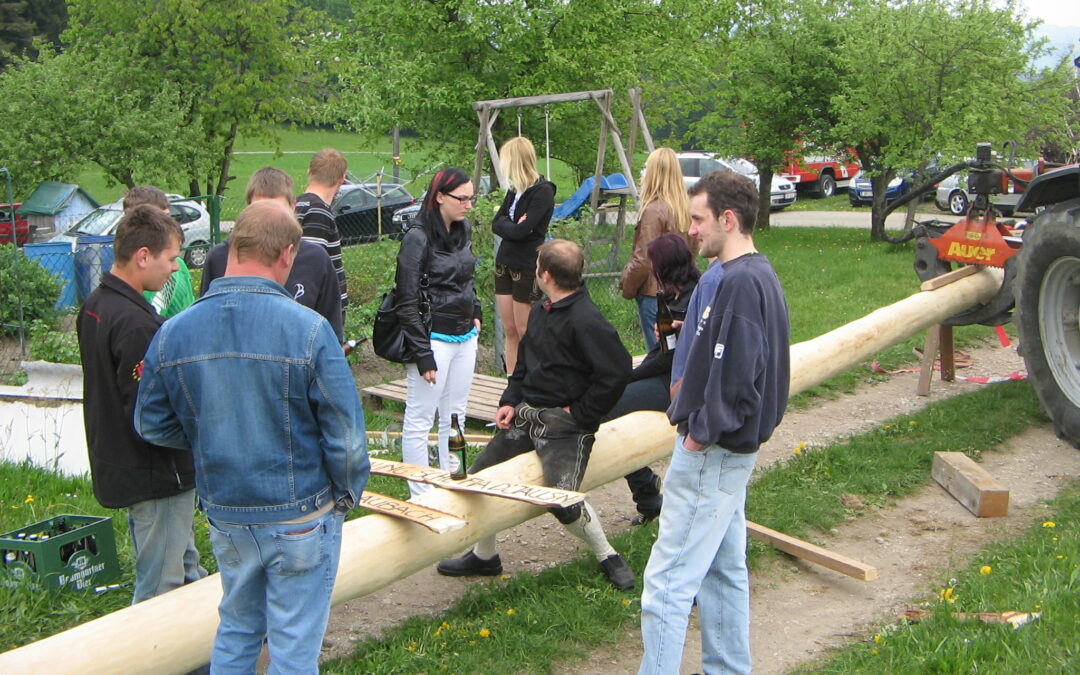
(439, 314)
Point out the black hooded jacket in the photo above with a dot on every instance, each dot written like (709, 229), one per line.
(446, 258)
(521, 239)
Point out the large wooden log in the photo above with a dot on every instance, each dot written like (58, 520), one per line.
(174, 633)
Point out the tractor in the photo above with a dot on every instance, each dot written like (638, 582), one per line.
(1041, 259)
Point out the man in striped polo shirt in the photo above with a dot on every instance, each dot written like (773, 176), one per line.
(326, 173)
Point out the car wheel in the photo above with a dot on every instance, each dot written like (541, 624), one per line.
(826, 185)
(195, 255)
(958, 203)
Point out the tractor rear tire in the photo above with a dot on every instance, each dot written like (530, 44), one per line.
(1048, 308)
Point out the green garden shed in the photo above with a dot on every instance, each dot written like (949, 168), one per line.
(54, 207)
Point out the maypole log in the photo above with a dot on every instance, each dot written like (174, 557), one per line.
(174, 633)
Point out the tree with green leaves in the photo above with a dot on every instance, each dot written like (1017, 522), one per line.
(421, 66)
(232, 67)
(932, 77)
(767, 73)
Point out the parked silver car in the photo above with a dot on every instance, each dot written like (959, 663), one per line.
(192, 216)
(697, 164)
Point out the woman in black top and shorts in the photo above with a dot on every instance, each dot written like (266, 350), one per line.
(522, 222)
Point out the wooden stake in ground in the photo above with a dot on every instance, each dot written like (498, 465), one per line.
(432, 519)
(531, 494)
(815, 554)
(1014, 619)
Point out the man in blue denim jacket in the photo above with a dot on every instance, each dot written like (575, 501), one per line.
(257, 386)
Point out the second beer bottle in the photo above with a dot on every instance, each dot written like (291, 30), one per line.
(664, 324)
(457, 448)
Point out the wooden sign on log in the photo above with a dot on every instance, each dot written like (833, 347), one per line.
(432, 519)
(533, 494)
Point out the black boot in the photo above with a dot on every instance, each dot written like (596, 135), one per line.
(469, 565)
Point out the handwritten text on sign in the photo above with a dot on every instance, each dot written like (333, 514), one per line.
(533, 494)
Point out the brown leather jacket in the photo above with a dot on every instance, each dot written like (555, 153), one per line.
(654, 220)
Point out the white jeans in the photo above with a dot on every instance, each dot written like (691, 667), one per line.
(455, 362)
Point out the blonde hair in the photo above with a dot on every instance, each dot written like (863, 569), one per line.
(263, 230)
(327, 167)
(663, 181)
(517, 159)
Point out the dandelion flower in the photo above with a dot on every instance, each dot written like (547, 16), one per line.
(877, 639)
(29, 499)
(985, 569)
(948, 594)
(626, 602)
(1049, 523)
(511, 612)
(485, 633)
(874, 652)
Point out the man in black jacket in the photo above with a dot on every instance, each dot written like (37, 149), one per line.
(571, 369)
(155, 484)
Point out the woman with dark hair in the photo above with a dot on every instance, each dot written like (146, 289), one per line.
(435, 273)
(676, 276)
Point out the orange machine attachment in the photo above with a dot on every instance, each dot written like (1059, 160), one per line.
(976, 241)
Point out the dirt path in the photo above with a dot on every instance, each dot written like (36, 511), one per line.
(912, 542)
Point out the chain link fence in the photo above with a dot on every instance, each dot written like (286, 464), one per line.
(42, 285)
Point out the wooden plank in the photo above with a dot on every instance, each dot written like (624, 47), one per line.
(815, 554)
(523, 101)
(929, 355)
(475, 439)
(532, 494)
(947, 278)
(432, 519)
(970, 484)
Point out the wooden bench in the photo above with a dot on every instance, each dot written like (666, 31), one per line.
(484, 394)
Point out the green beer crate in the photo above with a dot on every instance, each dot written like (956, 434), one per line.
(63, 552)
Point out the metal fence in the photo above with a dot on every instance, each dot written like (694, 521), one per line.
(42, 286)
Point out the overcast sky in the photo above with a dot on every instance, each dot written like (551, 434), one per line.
(1055, 12)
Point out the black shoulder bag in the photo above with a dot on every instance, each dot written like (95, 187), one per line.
(388, 337)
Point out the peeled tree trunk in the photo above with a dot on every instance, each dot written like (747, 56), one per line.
(174, 633)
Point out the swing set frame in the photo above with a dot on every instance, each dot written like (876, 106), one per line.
(488, 112)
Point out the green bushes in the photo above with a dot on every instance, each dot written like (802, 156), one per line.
(26, 283)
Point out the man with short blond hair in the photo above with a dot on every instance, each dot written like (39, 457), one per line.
(267, 404)
(313, 281)
(326, 173)
(154, 483)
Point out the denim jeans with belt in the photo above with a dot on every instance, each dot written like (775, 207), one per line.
(276, 580)
(700, 551)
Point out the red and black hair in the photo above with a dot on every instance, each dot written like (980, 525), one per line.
(446, 181)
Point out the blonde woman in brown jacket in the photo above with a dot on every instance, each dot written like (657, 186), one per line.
(662, 207)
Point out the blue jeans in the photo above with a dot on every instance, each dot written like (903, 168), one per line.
(700, 551)
(276, 581)
(646, 309)
(164, 542)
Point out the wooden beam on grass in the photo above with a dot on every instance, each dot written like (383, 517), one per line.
(970, 484)
(815, 554)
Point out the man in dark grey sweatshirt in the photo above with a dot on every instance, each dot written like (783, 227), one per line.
(730, 398)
